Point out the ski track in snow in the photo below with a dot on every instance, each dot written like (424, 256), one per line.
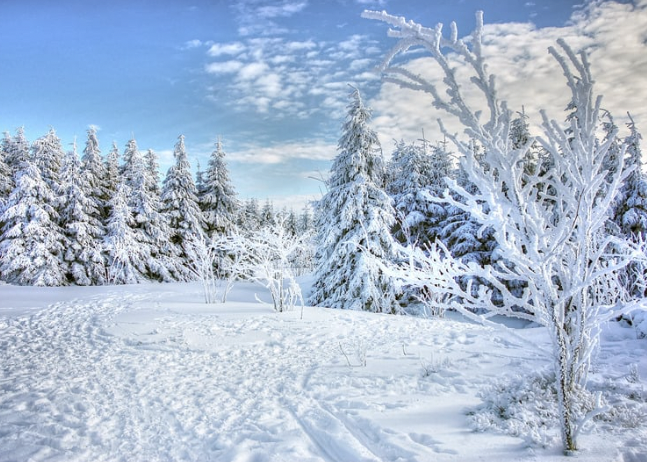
(138, 377)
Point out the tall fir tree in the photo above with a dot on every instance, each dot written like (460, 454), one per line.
(180, 203)
(17, 149)
(354, 219)
(81, 222)
(32, 242)
(112, 169)
(217, 195)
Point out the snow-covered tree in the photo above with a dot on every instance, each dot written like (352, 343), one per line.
(152, 173)
(32, 243)
(269, 257)
(112, 169)
(17, 149)
(6, 179)
(249, 219)
(47, 154)
(267, 216)
(179, 200)
(548, 225)
(418, 173)
(80, 220)
(630, 212)
(149, 224)
(354, 219)
(95, 175)
(126, 257)
(217, 197)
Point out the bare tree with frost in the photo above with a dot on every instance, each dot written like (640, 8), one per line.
(549, 224)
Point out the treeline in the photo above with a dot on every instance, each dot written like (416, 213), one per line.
(84, 219)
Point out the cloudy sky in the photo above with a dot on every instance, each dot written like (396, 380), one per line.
(271, 76)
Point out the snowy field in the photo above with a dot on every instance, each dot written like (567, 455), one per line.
(150, 373)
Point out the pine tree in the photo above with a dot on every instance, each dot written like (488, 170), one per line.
(267, 216)
(32, 243)
(249, 220)
(217, 196)
(80, 220)
(6, 181)
(353, 223)
(179, 201)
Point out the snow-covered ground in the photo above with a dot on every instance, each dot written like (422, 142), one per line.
(150, 373)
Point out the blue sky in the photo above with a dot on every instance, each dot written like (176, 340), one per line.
(271, 77)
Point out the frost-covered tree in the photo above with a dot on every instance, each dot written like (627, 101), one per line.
(112, 169)
(126, 257)
(630, 212)
(548, 225)
(267, 215)
(354, 219)
(249, 219)
(179, 201)
(17, 149)
(152, 173)
(47, 154)
(149, 224)
(95, 175)
(32, 243)
(217, 197)
(6, 179)
(418, 174)
(82, 227)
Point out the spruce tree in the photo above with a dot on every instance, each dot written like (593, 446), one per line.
(94, 172)
(17, 149)
(112, 169)
(354, 219)
(32, 242)
(81, 223)
(217, 195)
(180, 203)
(126, 256)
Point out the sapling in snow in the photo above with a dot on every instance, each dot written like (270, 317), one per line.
(548, 222)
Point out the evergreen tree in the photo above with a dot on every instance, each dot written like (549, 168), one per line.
(249, 220)
(48, 155)
(149, 224)
(179, 201)
(31, 244)
(16, 150)
(126, 256)
(113, 169)
(353, 223)
(217, 195)
(418, 177)
(306, 222)
(6, 181)
(95, 175)
(267, 216)
(152, 173)
(80, 219)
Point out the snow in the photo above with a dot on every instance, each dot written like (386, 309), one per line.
(150, 373)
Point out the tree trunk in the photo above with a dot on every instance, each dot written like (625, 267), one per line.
(565, 394)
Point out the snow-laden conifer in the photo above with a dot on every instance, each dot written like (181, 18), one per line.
(112, 169)
(418, 174)
(17, 149)
(548, 225)
(126, 257)
(217, 197)
(32, 243)
(179, 201)
(354, 219)
(82, 227)
(150, 227)
(47, 154)
(94, 172)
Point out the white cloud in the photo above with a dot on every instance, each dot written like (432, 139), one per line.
(284, 152)
(224, 67)
(192, 44)
(219, 49)
(527, 75)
